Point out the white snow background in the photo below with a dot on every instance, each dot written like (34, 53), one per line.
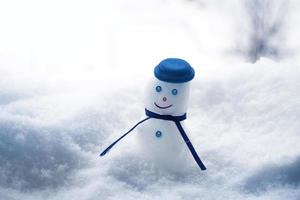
(72, 76)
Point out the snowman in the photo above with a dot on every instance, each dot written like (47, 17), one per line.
(161, 137)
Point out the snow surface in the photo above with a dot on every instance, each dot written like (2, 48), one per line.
(72, 77)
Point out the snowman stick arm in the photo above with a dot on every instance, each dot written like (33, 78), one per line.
(190, 146)
(115, 142)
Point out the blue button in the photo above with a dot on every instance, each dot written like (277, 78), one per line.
(158, 134)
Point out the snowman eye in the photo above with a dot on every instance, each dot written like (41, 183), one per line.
(158, 88)
(174, 91)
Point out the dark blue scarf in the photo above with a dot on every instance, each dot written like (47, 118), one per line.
(175, 119)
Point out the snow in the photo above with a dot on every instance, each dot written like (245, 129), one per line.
(72, 79)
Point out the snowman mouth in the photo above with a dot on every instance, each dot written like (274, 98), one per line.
(162, 107)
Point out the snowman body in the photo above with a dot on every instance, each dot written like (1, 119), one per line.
(160, 145)
(159, 141)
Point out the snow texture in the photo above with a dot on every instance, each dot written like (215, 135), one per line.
(73, 77)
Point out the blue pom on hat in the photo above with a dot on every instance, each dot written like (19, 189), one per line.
(174, 70)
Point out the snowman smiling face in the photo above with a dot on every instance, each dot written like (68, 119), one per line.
(167, 98)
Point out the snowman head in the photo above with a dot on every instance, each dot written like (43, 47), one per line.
(168, 92)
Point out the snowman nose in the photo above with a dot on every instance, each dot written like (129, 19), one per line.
(164, 99)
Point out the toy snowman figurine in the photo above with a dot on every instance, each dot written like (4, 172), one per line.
(161, 136)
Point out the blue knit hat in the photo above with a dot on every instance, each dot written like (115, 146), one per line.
(174, 70)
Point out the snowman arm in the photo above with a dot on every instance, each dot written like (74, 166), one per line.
(115, 142)
(190, 146)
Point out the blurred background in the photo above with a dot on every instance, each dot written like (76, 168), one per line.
(72, 76)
